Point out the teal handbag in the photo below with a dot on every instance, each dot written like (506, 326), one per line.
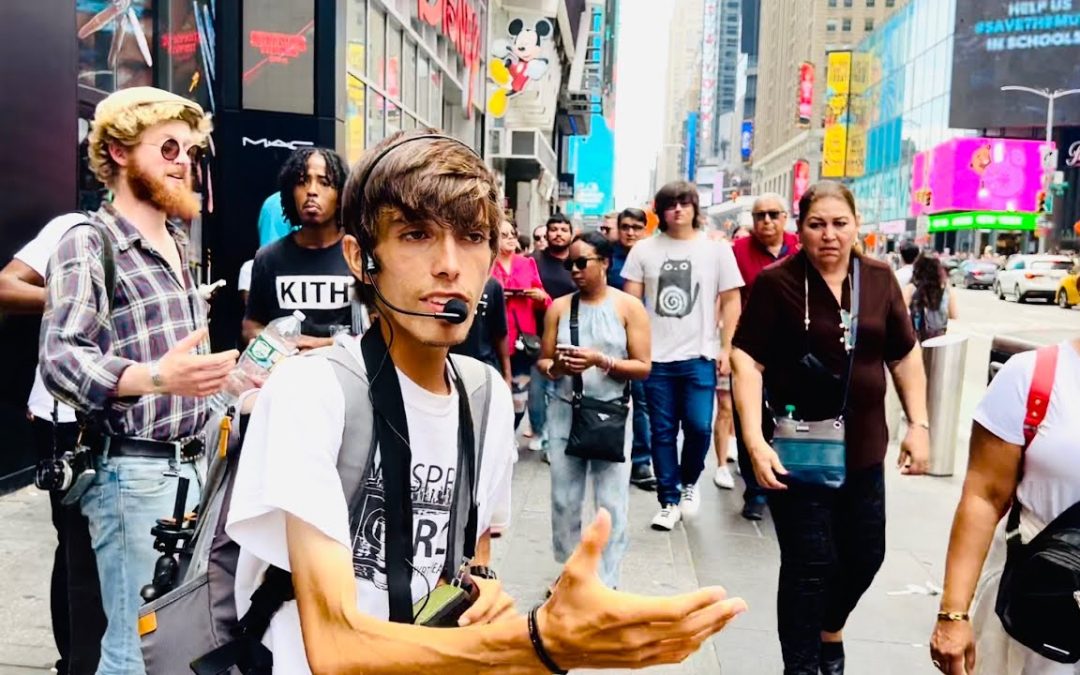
(815, 453)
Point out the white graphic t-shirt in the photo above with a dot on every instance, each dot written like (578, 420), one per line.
(682, 278)
(36, 256)
(289, 465)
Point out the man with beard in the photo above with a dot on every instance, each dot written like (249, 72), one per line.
(557, 282)
(137, 365)
(768, 243)
(305, 270)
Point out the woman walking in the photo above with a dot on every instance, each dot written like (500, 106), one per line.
(928, 298)
(595, 342)
(525, 297)
(1044, 480)
(817, 333)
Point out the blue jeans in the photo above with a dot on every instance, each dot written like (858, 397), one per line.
(641, 451)
(569, 475)
(539, 393)
(680, 393)
(123, 503)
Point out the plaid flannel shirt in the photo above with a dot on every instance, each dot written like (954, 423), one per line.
(85, 347)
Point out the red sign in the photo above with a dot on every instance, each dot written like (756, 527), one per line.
(278, 47)
(806, 93)
(800, 184)
(460, 23)
(180, 44)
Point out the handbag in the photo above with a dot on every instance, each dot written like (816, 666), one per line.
(526, 343)
(1038, 598)
(597, 428)
(815, 453)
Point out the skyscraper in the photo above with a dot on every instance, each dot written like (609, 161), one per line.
(682, 85)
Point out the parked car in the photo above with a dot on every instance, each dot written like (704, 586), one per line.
(1068, 294)
(974, 274)
(1032, 276)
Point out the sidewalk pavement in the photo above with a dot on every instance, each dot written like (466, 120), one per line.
(887, 633)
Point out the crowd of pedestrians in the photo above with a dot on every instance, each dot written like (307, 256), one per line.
(427, 317)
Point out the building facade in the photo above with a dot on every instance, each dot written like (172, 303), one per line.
(682, 91)
(796, 35)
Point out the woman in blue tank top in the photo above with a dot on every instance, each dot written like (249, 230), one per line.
(613, 348)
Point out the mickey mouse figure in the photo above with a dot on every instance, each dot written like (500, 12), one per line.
(520, 62)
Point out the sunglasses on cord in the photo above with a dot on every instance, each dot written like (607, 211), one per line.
(170, 150)
(580, 263)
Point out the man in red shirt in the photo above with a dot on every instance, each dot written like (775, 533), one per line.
(767, 244)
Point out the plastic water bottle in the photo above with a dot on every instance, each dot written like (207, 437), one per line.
(274, 343)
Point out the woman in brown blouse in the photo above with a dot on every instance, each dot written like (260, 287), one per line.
(793, 342)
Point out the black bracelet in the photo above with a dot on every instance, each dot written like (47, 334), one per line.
(538, 644)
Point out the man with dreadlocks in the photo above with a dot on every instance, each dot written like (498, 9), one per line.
(305, 270)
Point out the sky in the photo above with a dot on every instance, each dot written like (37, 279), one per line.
(640, 64)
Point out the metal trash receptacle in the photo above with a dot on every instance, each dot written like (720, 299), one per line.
(944, 358)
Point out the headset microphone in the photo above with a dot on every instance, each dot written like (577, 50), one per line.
(455, 311)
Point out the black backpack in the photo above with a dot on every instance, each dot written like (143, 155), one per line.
(1038, 600)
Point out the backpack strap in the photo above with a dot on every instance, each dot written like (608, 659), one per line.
(108, 255)
(475, 380)
(1038, 402)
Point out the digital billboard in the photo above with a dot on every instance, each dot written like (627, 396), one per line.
(977, 174)
(1005, 42)
(590, 160)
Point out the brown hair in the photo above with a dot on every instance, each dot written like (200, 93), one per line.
(671, 194)
(438, 180)
(821, 190)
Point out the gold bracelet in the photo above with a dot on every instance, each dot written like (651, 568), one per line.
(953, 616)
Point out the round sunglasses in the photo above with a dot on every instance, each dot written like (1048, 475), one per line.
(170, 150)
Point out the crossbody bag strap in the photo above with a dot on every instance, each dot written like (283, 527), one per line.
(392, 432)
(856, 287)
(575, 339)
(1038, 402)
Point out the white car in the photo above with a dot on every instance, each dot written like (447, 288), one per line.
(1032, 276)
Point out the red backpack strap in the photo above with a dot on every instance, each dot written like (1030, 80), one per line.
(1042, 384)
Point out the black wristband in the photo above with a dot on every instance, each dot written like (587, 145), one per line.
(538, 644)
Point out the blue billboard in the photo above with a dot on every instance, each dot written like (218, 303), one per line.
(746, 143)
(690, 159)
(592, 161)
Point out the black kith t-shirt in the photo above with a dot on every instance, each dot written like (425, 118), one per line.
(287, 277)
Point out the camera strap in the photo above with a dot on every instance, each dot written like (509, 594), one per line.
(392, 437)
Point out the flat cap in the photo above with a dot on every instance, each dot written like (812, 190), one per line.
(133, 97)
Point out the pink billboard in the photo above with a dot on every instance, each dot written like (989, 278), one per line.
(977, 174)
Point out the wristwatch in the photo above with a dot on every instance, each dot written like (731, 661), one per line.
(155, 376)
(482, 572)
(953, 616)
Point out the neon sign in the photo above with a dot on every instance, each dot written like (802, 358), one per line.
(278, 47)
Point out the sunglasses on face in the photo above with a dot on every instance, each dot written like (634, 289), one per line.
(537, 237)
(685, 203)
(580, 263)
(605, 229)
(632, 227)
(772, 215)
(170, 150)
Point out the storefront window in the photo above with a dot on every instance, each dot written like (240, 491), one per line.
(393, 78)
(375, 126)
(356, 35)
(116, 47)
(355, 117)
(376, 57)
(279, 59)
(186, 49)
(436, 114)
(423, 98)
(408, 122)
(408, 77)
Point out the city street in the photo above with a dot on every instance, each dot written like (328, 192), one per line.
(887, 634)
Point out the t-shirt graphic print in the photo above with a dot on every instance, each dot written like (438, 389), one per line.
(674, 297)
(432, 497)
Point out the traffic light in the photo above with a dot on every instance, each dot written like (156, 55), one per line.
(1040, 201)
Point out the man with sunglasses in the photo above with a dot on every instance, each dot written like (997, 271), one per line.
(690, 287)
(609, 227)
(768, 243)
(631, 227)
(136, 364)
(305, 270)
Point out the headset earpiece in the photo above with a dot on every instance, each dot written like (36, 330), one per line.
(371, 266)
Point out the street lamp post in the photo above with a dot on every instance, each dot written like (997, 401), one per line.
(1048, 169)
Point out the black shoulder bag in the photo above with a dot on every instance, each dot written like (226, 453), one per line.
(1038, 599)
(598, 428)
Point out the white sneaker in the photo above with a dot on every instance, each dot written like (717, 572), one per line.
(667, 518)
(732, 451)
(723, 478)
(536, 444)
(691, 502)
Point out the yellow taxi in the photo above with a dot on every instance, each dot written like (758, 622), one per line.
(1068, 294)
